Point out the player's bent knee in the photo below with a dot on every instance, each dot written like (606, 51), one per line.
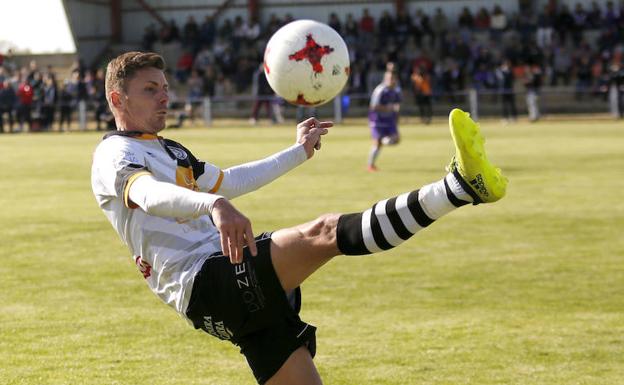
(320, 234)
(323, 229)
(298, 369)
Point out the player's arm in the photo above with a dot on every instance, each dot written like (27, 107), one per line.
(166, 199)
(238, 180)
(376, 104)
(169, 200)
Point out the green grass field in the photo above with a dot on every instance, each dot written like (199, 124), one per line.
(526, 291)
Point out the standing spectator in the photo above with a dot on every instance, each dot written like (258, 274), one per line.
(262, 92)
(190, 34)
(357, 78)
(498, 24)
(36, 82)
(78, 66)
(526, 24)
(207, 31)
(50, 72)
(616, 88)
(351, 31)
(533, 84)
(482, 20)
(611, 15)
(210, 80)
(465, 22)
(423, 28)
(383, 116)
(562, 65)
(149, 37)
(402, 28)
(174, 31)
(244, 72)
(335, 23)
(8, 100)
(453, 80)
(385, 28)
(32, 71)
(78, 88)
(272, 26)
(184, 66)
(583, 76)
(545, 24)
(594, 16)
(580, 22)
(97, 93)
(505, 77)
(25, 96)
(226, 31)
(421, 80)
(195, 94)
(238, 33)
(367, 24)
(48, 105)
(564, 24)
(440, 27)
(68, 98)
(251, 30)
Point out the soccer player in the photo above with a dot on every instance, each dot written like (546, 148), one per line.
(198, 253)
(383, 116)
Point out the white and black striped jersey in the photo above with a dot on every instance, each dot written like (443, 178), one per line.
(167, 251)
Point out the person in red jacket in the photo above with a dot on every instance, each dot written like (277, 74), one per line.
(25, 95)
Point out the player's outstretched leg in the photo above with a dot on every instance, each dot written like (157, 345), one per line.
(299, 251)
(471, 179)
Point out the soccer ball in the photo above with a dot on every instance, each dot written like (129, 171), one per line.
(306, 63)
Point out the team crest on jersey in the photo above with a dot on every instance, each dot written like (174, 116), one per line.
(180, 154)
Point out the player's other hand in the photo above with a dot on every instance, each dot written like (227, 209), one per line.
(309, 134)
(235, 230)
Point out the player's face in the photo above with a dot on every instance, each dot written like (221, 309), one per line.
(144, 105)
(390, 79)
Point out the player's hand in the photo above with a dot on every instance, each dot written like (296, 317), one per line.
(309, 134)
(235, 230)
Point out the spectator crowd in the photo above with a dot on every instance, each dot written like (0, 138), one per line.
(487, 50)
(32, 99)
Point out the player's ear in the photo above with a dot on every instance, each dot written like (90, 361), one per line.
(116, 99)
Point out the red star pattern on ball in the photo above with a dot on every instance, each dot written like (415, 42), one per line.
(313, 53)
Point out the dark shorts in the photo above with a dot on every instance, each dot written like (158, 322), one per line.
(246, 305)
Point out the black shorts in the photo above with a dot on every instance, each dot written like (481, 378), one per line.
(246, 305)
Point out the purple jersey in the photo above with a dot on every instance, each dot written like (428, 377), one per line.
(383, 123)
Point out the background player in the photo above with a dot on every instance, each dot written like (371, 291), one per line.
(383, 116)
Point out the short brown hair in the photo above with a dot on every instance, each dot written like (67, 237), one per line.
(123, 67)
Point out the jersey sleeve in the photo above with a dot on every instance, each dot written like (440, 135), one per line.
(116, 164)
(210, 179)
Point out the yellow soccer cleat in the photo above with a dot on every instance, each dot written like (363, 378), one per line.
(481, 179)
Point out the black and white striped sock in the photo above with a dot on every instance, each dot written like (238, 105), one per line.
(390, 222)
